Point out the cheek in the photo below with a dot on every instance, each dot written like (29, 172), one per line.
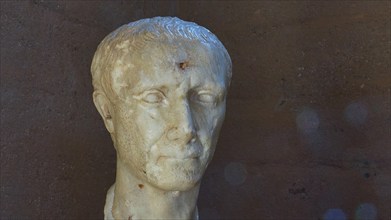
(126, 133)
(208, 122)
(151, 124)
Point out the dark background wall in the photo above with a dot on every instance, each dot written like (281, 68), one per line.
(307, 131)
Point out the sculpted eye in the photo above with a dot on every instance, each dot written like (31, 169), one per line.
(205, 97)
(153, 97)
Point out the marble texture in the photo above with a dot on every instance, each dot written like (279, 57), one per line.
(160, 85)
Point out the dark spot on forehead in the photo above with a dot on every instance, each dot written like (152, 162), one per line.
(183, 65)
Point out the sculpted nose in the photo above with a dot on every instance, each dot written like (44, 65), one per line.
(183, 130)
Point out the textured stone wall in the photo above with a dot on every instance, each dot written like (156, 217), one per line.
(307, 131)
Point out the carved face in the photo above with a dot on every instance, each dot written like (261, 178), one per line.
(169, 111)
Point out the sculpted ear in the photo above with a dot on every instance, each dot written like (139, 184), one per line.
(103, 105)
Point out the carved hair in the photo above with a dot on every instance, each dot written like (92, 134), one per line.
(135, 35)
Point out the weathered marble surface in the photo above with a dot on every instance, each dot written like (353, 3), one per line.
(160, 85)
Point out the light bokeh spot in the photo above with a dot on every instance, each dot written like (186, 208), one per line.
(307, 121)
(366, 211)
(334, 214)
(235, 173)
(356, 113)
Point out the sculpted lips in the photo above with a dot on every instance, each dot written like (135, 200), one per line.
(189, 156)
(176, 158)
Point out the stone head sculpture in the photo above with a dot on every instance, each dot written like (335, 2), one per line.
(160, 85)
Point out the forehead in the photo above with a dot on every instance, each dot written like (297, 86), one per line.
(171, 61)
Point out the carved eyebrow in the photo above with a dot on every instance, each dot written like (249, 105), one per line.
(211, 87)
(140, 89)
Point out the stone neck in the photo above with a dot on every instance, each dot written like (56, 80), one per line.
(137, 199)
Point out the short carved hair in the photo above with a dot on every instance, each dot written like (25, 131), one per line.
(135, 35)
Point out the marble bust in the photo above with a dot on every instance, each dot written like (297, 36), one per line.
(160, 85)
